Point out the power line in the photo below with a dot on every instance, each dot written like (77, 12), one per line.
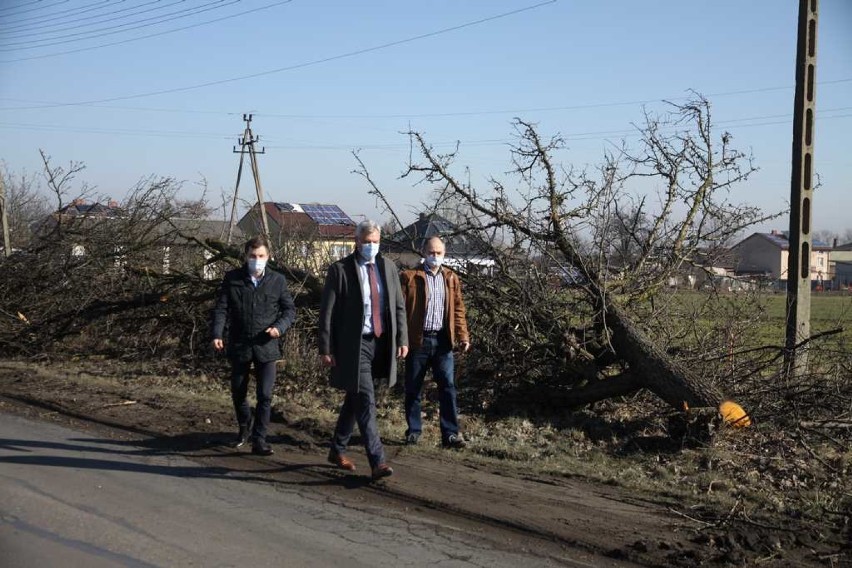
(41, 7)
(213, 21)
(62, 13)
(152, 21)
(319, 61)
(40, 25)
(742, 122)
(54, 104)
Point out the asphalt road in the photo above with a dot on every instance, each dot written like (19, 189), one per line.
(69, 499)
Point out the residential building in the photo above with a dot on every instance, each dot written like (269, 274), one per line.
(765, 255)
(841, 266)
(137, 242)
(463, 251)
(308, 236)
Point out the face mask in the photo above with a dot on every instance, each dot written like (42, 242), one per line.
(256, 266)
(369, 251)
(434, 261)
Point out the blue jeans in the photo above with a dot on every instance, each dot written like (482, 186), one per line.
(435, 353)
(360, 407)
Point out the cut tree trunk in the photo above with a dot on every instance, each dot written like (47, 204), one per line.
(656, 370)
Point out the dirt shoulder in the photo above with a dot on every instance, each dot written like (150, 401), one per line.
(569, 521)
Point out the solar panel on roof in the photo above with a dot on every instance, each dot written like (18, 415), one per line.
(326, 214)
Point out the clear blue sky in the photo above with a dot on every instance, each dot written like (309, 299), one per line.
(325, 85)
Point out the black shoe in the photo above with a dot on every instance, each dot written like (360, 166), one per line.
(261, 448)
(412, 438)
(455, 441)
(245, 434)
(382, 470)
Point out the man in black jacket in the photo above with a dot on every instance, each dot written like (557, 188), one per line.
(258, 308)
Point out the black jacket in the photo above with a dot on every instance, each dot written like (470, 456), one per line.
(249, 311)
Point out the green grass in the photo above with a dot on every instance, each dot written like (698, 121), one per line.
(764, 314)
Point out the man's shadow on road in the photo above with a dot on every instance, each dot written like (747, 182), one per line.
(183, 445)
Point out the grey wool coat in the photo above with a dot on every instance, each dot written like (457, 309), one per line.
(341, 320)
(249, 311)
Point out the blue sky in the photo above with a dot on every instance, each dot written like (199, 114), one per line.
(330, 77)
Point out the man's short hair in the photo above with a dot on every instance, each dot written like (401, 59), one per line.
(428, 240)
(364, 228)
(257, 242)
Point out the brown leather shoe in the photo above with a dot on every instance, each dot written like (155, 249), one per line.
(382, 470)
(340, 461)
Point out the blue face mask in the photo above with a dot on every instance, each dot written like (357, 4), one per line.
(256, 266)
(433, 261)
(369, 251)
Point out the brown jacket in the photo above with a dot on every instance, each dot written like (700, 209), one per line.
(414, 292)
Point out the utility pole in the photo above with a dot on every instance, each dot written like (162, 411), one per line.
(801, 195)
(7, 243)
(247, 146)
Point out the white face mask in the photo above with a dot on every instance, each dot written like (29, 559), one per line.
(369, 251)
(256, 266)
(433, 261)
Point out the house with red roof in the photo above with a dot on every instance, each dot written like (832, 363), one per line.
(309, 236)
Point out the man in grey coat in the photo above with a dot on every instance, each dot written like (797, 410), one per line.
(362, 330)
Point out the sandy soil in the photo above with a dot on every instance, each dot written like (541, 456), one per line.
(566, 520)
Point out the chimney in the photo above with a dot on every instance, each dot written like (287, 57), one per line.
(834, 243)
(775, 232)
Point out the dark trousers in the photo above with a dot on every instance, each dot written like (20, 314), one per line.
(435, 353)
(360, 407)
(264, 373)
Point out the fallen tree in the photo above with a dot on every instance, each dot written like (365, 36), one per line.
(607, 245)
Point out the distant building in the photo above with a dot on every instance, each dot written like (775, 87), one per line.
(711, 268)
(309, 236)
(766, 255)
(840, 266)
(182, 251)
(463, 250)
(139, 243)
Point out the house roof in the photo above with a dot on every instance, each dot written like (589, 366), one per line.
(719, 257)
(315, 219)
(847, 246)
(781, 240)
(433, 225)
(79, 208)
(205, 228)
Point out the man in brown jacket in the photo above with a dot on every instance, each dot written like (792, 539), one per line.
(436, 324)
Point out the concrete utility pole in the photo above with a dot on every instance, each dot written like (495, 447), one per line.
(7, 242)
(801, 194)
(247, 142)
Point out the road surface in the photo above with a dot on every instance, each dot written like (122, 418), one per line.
(71, 498)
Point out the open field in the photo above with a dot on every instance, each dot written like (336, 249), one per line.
(763, 315)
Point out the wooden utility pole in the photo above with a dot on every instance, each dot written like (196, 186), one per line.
(247, 146)
(7, 242)
(801, 194)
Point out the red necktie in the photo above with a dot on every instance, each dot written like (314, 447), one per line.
(374, 300)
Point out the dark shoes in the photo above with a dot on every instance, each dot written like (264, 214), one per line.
(454, 441)
(382, 470)
(412, 438)
(261, 448)
(340, 461)
(245, 434)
